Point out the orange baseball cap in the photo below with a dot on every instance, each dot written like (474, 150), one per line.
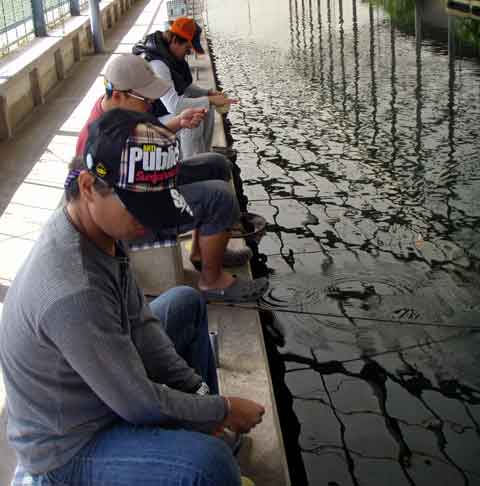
(184, 27)
(189, 30)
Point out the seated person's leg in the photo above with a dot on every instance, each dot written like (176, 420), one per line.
(192, 141)
(198, 140)
(183, 313)
(149, 456)
(208, 127)
(216, 209)
(202, 167)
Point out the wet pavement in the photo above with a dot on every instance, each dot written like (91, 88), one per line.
(358, 140)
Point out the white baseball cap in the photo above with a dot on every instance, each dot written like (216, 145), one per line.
(129, 72)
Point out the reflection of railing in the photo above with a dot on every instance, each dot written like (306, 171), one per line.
(18, 19)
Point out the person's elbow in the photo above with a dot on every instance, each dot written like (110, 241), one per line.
(138, 413)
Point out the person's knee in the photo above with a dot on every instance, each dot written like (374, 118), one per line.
(227, 202)
(221, 165)
(224, 209)
(191, 299)
(188, 295)
(215, 464)
(214, 204)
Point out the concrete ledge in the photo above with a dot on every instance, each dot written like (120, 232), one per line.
(28, 74)
(244, 369)
(157, 269)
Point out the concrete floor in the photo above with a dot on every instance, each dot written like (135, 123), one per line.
(33, 168)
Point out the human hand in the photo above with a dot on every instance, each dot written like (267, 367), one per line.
(191, 117)
(213, 92)
(220, 100)
(244, 415)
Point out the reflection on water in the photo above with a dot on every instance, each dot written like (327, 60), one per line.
(358, 140)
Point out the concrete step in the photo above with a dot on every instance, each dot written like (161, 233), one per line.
(157, 269)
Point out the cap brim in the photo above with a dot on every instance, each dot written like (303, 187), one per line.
(155, 209)
(154, 90)
(198, 48)
(196, 44)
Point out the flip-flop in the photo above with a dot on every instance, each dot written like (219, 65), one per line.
(231, 258)
(241, 290)
(250, 226)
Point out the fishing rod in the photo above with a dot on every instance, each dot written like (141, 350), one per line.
(353, 318)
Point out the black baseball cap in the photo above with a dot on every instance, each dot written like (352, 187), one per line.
(138, 157)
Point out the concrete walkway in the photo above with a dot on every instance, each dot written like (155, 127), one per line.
(32, 171)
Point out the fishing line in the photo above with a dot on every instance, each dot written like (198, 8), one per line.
(405, 348)
(353, 318)
(335, 363)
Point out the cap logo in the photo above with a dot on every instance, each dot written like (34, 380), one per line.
(180, 202)
(151, 163)
(89, 161)
(101, 170)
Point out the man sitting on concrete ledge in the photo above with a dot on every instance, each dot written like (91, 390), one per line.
(166, 53)
(132, 85)
(97, 393)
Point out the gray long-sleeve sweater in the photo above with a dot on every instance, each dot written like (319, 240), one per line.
(80, 350)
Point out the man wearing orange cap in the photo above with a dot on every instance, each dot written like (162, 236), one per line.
(166, 53)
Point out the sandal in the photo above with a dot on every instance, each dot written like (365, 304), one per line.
(231, 258)
(241, 290)
(251, 226)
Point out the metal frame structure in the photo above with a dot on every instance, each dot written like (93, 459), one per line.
(21, 20)
(16, 24)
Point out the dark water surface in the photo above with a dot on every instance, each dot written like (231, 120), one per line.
(358, 139)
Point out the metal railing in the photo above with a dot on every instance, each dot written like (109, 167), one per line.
(16, 24)
(21, 20)
(83, 4)
(56, 11)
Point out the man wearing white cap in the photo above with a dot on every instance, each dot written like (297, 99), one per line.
(131, 84)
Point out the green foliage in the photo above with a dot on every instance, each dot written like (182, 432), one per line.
(468, 31)
(402, 12)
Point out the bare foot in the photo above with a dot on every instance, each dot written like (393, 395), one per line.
(222, 282)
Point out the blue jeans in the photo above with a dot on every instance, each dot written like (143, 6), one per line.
(127, 455)
(183, 313)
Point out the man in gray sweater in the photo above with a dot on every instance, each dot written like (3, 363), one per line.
(103, 390)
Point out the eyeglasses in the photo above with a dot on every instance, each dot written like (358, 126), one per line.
(149, 101)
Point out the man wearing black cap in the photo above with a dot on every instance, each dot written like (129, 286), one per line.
(97, 393)
(166, 53)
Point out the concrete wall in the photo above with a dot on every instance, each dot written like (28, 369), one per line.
(29, 73)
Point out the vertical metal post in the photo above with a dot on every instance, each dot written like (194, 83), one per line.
(74, 8)
(38, 14)
(96, 24)
(213, 336)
